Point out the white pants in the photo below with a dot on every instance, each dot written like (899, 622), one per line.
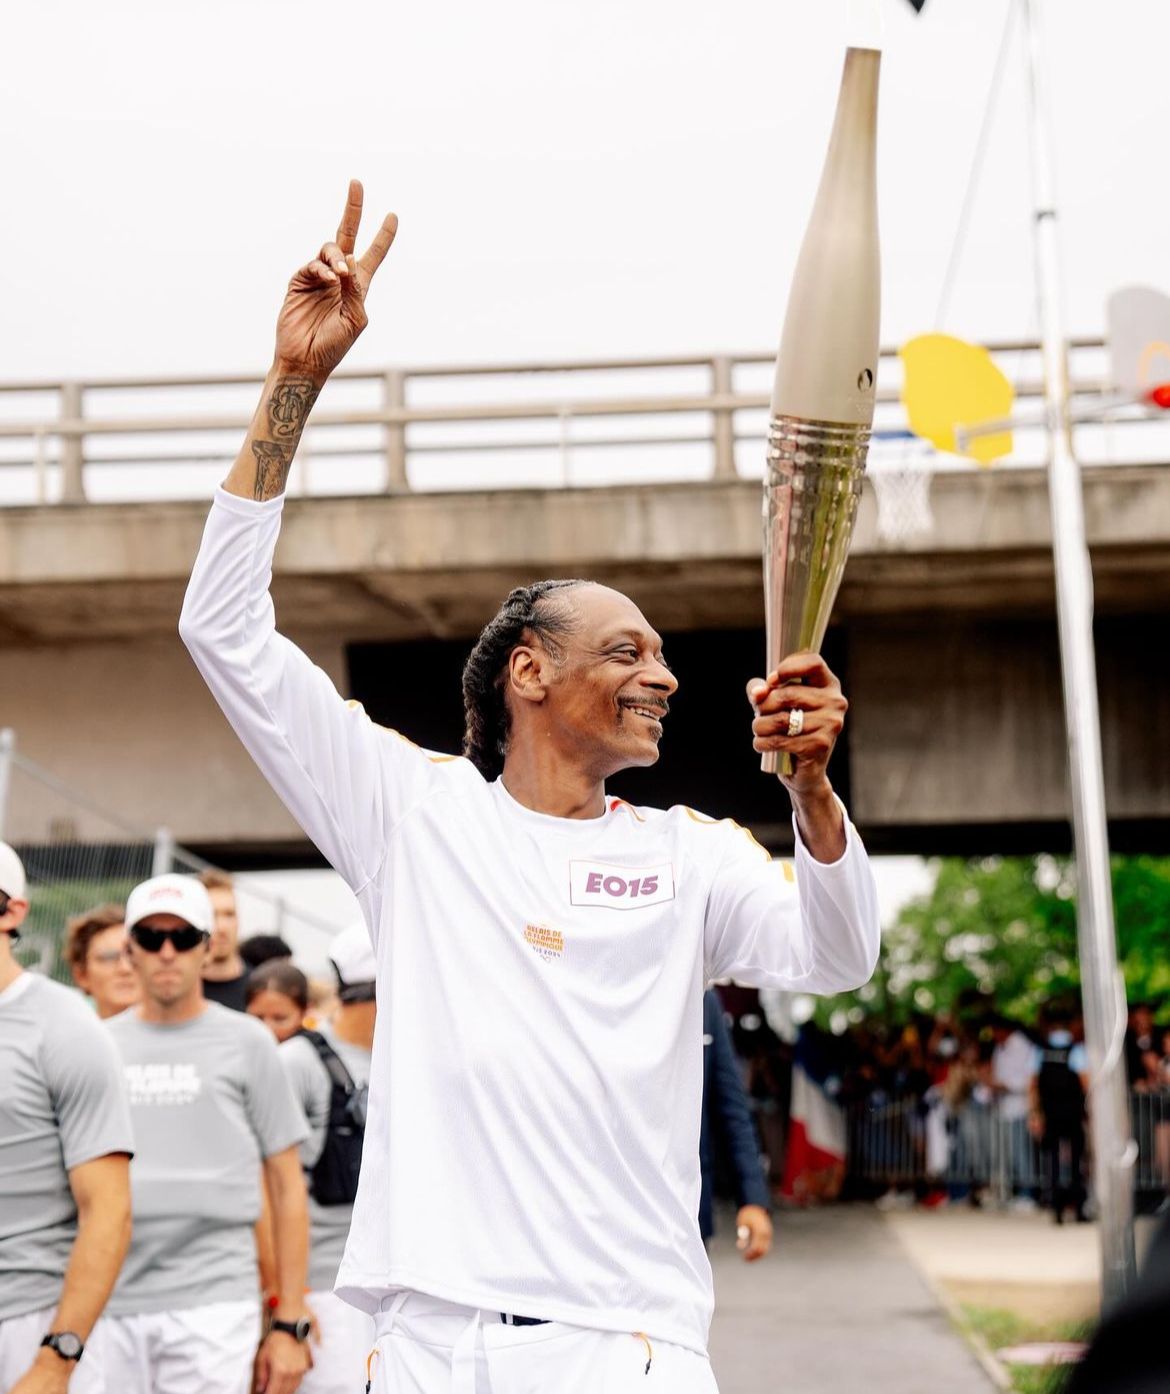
(20, 1340)
(346, 1337)
(196, 1350)
(427, 1346)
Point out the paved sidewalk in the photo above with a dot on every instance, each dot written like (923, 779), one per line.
(1022, 1262)
(838, 1307)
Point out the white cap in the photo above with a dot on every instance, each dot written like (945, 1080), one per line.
(171, 894)
(352, 955)
(12, 881)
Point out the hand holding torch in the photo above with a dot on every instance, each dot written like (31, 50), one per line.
(824, 391)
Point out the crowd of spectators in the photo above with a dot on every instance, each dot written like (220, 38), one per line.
(967, 1107)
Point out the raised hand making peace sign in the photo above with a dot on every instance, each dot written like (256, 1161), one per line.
(324, 310)
(323, 313)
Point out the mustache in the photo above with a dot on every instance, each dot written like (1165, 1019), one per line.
(658, 704)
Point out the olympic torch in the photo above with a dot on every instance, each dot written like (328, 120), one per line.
(823, 395)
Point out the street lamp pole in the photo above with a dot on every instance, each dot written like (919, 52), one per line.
(1102, 985)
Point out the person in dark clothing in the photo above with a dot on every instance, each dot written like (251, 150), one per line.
(225, 974)
(263, 948)
(1058, 1115)
(726, 1116)
(1140, 1046)
(1130, 1354)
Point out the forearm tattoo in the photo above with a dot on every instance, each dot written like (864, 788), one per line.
(287, 410)
(290, 404)
(273, 461)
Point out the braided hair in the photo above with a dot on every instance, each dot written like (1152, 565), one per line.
(538, 611)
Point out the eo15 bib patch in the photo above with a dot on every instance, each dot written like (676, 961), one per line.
(620, 887)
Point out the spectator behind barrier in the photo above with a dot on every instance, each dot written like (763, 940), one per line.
(97, 949)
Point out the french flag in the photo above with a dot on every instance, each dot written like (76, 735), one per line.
(814, 1164)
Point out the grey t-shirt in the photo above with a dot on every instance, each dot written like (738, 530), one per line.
(328, 1224)
(209, 1101)
(61, 1104)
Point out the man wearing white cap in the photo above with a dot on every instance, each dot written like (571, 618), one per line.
(330, 1073)
(65, 1146)
(210, 1103)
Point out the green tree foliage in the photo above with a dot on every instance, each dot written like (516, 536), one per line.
(1005, 928)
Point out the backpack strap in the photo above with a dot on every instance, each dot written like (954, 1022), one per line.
(344, 1087)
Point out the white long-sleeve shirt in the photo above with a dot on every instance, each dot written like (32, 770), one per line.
(532, 1143)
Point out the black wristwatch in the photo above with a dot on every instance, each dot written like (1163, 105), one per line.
(298, 1330)
(67, 1344)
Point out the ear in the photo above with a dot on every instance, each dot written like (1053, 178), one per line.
(529, 670)
(17, 910)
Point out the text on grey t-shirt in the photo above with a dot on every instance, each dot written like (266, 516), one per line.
(209, 1101)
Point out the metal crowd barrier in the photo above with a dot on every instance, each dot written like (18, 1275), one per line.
(910, 1141)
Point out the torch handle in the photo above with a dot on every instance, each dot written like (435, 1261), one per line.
(779, 762)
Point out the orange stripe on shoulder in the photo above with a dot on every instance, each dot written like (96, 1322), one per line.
(747, 832)
(615, 804)
(704, 821)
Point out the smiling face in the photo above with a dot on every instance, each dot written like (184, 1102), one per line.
(602, 700)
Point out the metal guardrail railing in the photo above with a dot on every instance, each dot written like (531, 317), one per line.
(405, 415)
(905, 1141)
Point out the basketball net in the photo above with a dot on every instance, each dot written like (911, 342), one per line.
(901, 468)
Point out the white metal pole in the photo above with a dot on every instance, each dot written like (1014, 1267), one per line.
(1104, 998)
(163, 859)
(7, 751)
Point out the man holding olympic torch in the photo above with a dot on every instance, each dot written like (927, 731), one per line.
(526, 1215)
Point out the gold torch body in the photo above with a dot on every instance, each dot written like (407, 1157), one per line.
(824, 390)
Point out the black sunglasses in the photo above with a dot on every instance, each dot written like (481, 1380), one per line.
(151, 940)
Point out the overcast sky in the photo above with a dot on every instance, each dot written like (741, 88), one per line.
(611, 178)
(605, 178)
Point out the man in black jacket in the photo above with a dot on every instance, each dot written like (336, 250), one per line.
(726, 1115)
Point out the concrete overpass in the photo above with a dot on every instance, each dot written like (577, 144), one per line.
(947, 645)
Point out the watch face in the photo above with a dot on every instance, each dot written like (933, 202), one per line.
(304, 1328)
(68, 1345)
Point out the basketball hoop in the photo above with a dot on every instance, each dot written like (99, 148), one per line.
(901, 467)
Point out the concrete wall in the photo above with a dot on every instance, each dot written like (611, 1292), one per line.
(961, 722)
(133, 728)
